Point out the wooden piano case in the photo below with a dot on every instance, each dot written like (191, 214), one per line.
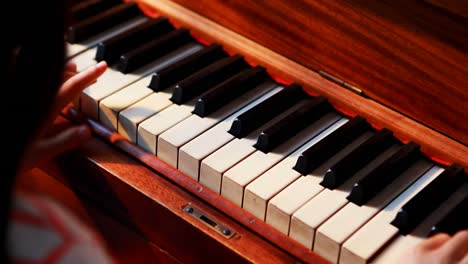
(400, 64)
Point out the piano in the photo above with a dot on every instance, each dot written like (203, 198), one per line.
(273, 131)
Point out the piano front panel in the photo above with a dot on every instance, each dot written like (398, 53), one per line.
(150, 206)
(273, 153)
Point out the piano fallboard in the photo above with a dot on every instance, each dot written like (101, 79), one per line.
(410, 56)
(290, 69)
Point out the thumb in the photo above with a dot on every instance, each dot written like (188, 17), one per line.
(65, 140)
(48, 148)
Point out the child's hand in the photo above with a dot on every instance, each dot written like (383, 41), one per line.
(46, 147)
(440, 249)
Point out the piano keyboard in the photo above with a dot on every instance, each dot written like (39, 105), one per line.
(333, 183)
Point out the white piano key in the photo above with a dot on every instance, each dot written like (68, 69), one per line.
(110, 107)
(361, 246)
(85, 59)
(170, 141)
(215, 165)
(130, 117)
(259, 191)
(112, 80)
(191, 154)
(150, 129)
(284, 204)
(306, 220)
(392, 253)
(236, 178)
(77, 48)
(332, 234)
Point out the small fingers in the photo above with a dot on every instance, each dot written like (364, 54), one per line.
(82, 80)
(67, 75)
(76, 84)
(434, 242)
(70, 66)
(69, 70)
(48, 148)
(457, 247)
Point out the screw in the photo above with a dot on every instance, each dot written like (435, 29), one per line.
(226, 231)
(188, 209)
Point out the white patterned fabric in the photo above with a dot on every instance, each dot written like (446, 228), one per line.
(41, 231)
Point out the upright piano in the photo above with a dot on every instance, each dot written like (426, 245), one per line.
(273, 131)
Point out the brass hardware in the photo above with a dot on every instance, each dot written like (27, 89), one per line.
(337, 80)
(209, 221)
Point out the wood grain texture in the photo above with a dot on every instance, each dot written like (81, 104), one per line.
(151, 205)
(407, 55)
(433, 143)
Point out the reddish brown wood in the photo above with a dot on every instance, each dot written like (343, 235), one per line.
(433, 144)
(123, 244)
(407, 55)
(151, 206)
(141, 185)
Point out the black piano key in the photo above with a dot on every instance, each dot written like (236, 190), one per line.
(311, 158)
(389, 170)
(230, 89)
(96, 24)
(456, 220)
(207, 78)
(278, 133)
(153, 50)
(111, 49)
(357, 159)
(182, 69)
(428, 199)
(266, 110)
(89, 8)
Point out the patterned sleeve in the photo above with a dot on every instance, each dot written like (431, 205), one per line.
(41, 231)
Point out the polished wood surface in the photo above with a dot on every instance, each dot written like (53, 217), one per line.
(408, 55)
(151, 205)
(138, 184)
(434, 144)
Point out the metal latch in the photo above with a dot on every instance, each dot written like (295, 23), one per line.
(209, 221)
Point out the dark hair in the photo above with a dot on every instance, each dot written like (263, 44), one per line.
(32, 60)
